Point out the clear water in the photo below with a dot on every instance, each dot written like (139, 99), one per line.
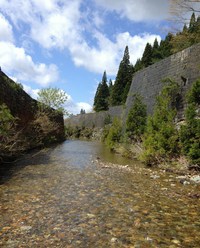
(65, 196)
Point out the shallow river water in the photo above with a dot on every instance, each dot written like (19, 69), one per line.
(77, 194)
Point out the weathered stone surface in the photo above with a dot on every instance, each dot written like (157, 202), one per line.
(94, 119)
(182, 67)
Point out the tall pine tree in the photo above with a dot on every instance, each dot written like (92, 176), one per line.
(123, 80)
(147, 55)
(101, 99)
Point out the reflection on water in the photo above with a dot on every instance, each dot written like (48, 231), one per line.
(61, 197)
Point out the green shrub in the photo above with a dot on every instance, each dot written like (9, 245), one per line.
(114, 134)
(136, 120)
(6, 121)
(190, 132)
(161, 136)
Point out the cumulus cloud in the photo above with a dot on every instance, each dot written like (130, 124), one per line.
(137, 10)
(75, 107)
(15, 61)
(32, 92)
(6, 33)
(108, 54)
(62, 25)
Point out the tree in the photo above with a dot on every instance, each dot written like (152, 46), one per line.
(161, 136)
(53, 98)
(166, 46)
(138, 65)
(101, 99)
(136, 120)
(114, 134)
(190, 131)
(147, 55)
(82, 112)
(156, 54)
(190, 35)
(123, 80)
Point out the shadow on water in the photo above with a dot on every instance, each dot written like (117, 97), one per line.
(75, 153)
(8, 170)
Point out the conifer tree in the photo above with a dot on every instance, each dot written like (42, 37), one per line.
(156, 54)
(147, 55)
(136, 120)
(124, 78)
(138, 65)
(166, 46)
(102, 95)
(192, 23)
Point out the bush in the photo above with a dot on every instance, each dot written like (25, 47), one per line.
(161, 136)
(114, 134)
(6, 121)
(190, 132)
(136, 120)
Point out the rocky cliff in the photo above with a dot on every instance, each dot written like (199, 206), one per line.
(32, 127)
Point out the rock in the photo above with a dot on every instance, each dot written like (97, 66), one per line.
(154, 176)
(90, 215)
(195, 179)
(113, 240)
(26, 228)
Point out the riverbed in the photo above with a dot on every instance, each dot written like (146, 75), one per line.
(78, 194)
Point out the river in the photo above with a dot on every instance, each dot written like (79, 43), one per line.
(77, 194)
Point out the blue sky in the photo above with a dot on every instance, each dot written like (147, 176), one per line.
(69, 43)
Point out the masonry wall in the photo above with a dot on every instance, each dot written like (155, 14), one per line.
(95, 119)
(182, 67)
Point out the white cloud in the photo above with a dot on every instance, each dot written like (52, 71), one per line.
(6, 33)
(62, 24)
(15, 61)
(75, 107)
(32, 92)
(138, 10)
(108, 54)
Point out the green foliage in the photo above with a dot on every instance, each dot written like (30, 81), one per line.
(101, 99)
(136, 120)
(15, 86)
(190, 132)
(194, 93)
(107, 120)
(53, 98)
(138, 65)
(123, 80)
(161, 136)
(147, 55)
(6, 121)
(114, 134)
(189, 35)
